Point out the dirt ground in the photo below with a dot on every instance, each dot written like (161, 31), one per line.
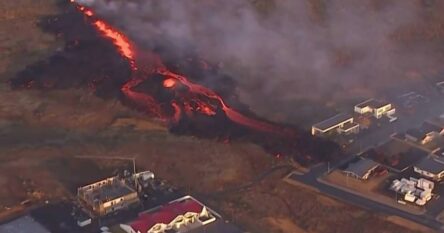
(42, 132)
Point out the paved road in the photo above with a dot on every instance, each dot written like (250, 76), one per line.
(311, 178)
(372, 139)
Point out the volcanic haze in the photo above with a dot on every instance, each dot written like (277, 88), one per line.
(289, 54)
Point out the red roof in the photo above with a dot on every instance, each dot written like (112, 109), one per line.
(165, 214)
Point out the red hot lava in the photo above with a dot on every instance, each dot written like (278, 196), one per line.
(200, 99)
(169, 83)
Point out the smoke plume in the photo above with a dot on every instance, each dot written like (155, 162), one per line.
(292, 55)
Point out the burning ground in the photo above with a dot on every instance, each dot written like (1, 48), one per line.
(161, 82)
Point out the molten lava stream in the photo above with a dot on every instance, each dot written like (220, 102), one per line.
(177, 112)
(230, 113)
(119, 40)
(126, 49)
(142, 99)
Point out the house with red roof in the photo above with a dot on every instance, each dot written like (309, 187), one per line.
(181, 215)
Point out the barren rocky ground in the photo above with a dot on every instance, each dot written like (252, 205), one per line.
(41, 132)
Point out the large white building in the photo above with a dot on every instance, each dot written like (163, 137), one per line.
(376, 108)
(341, 124)
(107, 196)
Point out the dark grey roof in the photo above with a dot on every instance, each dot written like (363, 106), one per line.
(332, 121)
(437, 121)
(431, 164)
(348, 126)
(23, 224)
(372, 103)
(111, 192)
(416, 133)
(361, 167)
(428, 127)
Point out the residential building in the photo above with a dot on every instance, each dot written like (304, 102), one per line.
(361, 169)
(23, 224)
(182, 215)
(432, 127)
(420, 136)
(107, 196)
(341, 124)
(395, 155)
(438, 124)
(376, 108)
(431, 167)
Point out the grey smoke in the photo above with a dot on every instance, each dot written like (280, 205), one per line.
(292, 54)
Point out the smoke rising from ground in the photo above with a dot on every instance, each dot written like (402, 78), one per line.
(314, 50)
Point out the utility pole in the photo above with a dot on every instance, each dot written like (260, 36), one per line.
(328, 167)
(134, 165)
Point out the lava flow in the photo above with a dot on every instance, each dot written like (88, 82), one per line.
(123, 44)
(165, 84)
(126, 49)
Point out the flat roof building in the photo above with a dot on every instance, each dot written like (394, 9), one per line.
(107, 196)
(438, 123)
(431, 167)
(341, 123)
(423, 135)
(397, 156)
(377, 108)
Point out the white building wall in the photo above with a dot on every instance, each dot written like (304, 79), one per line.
(424, 173)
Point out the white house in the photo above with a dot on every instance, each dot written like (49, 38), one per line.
(340, 123)
(377, 108)
(431, 167)
(361, 169)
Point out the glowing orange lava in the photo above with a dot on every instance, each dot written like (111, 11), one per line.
(119, 40)
(231, 113)
(88, 13)
(126, 49)
(168, 83)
